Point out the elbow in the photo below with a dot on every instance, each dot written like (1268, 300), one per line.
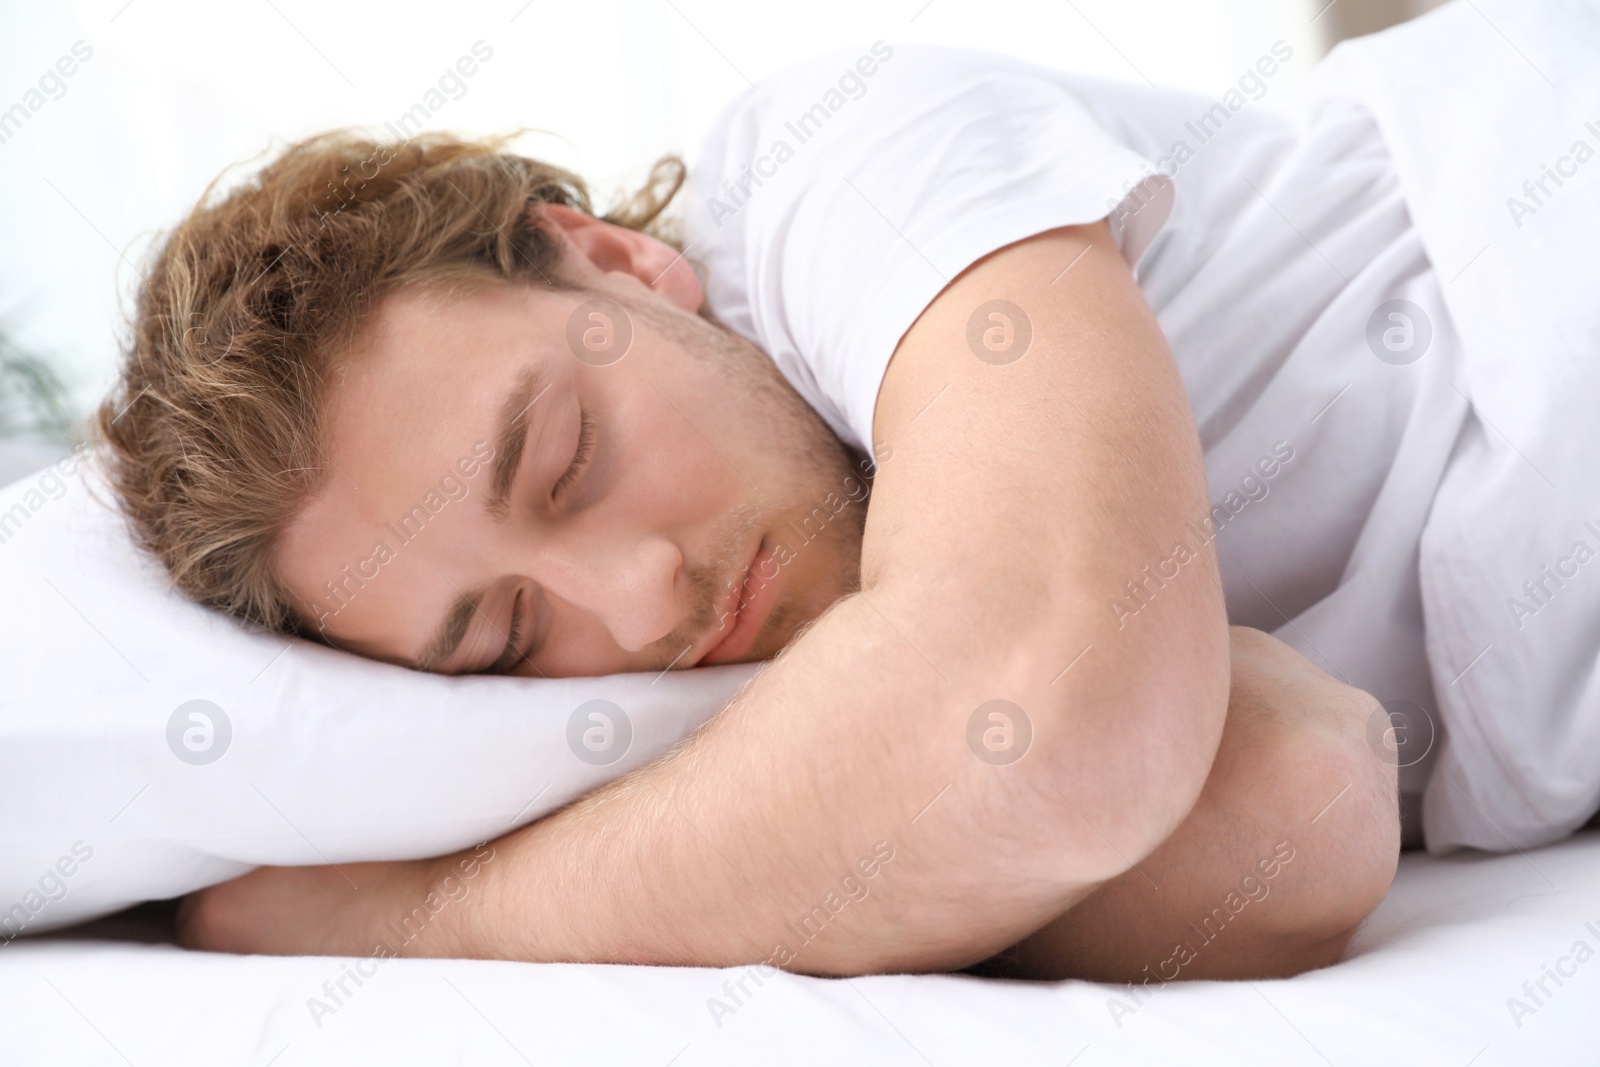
(1162, 733)
(1132, 743)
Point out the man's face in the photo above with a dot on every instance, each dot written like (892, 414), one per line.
(677, 506)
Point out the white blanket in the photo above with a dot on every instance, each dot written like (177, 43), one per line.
(1435, 977)
(1491, 110)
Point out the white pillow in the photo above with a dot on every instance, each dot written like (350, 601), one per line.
(150, 746)
(19, 457)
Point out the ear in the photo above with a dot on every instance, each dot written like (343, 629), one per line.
(592, 248)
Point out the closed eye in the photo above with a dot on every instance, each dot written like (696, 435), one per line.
(580, 457)
(510, 656)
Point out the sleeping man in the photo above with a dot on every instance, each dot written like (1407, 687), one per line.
(895, 413)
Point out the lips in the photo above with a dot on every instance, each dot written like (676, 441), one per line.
(741, 622)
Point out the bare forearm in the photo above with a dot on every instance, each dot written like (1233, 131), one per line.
(717, 853)
(800, 828)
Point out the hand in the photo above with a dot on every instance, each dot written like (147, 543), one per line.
(1294, 841)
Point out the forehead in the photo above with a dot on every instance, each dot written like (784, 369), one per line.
(431, 358)
(426, 329)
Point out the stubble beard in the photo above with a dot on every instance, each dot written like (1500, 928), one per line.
(827, 466)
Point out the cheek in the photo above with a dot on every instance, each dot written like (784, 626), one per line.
(577, 644)
(678, 464)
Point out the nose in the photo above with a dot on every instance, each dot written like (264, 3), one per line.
(632, 584)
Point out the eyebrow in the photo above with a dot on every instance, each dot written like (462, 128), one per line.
(511, 437)
(450, 633)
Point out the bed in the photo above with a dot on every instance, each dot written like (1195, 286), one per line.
(1471, 959)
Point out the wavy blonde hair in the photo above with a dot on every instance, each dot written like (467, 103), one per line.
(211, 436)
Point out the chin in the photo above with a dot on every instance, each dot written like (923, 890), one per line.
(798, 615)
(776, 634)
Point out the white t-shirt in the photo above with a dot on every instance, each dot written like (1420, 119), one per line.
(832, 203)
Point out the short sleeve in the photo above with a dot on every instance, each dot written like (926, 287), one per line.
(832, 203)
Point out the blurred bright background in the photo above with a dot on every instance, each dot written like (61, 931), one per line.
(94, 165)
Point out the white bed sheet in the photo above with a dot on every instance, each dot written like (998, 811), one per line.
(1426, 982)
